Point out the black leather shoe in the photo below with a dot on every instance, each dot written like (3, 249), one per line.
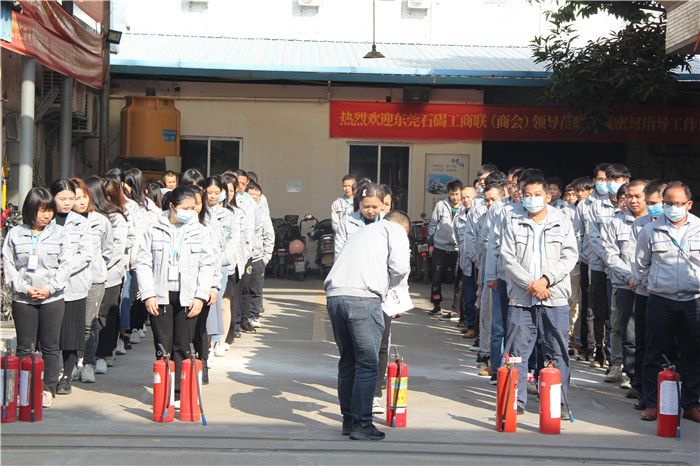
(247, 327)
(347, 425)
(640, 405)
(205, 373)
(237, 334)
(365, 432)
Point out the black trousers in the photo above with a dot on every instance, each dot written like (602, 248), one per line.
(640, 331)
(458, 301)
(235, 307)
(246, 291)
(383, 355)
(598, 300)
(441, 261)
(583, 308)
(108, 322)
(39, 325)
(202, 340)
(256, 288)
(175, 331)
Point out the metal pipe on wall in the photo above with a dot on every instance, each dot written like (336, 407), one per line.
(26, 143)
(66, 129)
(104, 101)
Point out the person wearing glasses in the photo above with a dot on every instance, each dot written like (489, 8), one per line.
(668, 259)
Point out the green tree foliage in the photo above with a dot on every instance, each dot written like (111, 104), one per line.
(628, 67)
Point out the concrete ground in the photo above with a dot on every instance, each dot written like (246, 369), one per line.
(272, 400)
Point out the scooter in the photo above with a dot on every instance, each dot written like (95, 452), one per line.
(296, 262)
(325, 254)
(420, 261)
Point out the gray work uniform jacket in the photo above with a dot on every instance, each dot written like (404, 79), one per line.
(53, 268)
(670, 268)
(637, 227)
(619, 249)
(582, 220)
(477, 210)
(339, 209)
(500, 211)
(116, 267)
(195, 262)
(559, 257)
(349, 224)
(375, 259)
(460, 226)
(216, 231)
(602, 212)
(102, 237)
(234, 243)
(441, 233)
(248, 207)
(75, 231)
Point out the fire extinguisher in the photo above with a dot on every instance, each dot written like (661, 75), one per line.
(507, 395)
(163, 388)
(31, 388)
(10, 383)
(668, 420)
(191, 389)
(397, 392)
(550, 399)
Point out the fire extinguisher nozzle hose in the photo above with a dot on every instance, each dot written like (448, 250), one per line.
(196, 379)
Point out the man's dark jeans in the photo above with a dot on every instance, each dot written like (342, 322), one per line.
(640, 334)
(441, 261)
(358, 324)
(673, 325)
(625, 305)
(469, 299)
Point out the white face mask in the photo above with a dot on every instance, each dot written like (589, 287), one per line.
(185, 216)
(222, 197)
(533, 204)
(674, 214)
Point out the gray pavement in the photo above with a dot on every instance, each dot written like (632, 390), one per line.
(272, 400)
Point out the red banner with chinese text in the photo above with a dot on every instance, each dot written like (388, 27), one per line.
(370, 120)
(46, 32)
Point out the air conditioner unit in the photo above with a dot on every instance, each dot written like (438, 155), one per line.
(88, 121)
(418, 4)
(310, 2)
(52, 81)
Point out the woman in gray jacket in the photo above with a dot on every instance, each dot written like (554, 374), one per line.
(35, 267)
(174, 272)
(76, 227)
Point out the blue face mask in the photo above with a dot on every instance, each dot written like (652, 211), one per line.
(655, 210)
(222, 197)
(674, 213)
(185, 216)
(533, 204)
(601, 187)
(613, 187)
(480, 189)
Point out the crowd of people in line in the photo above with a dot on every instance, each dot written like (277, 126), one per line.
(95, 259)
(605, 270)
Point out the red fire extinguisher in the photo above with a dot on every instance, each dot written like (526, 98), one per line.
(191, 389)
(668, 420)
(10, 383)
(507, 395)
(31, 388)
(163, 388)
(550, 399)
(397, 392)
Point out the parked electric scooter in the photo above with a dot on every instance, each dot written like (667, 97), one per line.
(325, 256)
(420, 261)
(296, 262)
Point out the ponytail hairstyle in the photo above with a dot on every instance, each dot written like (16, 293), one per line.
(367, 189)
(115, 195)
(63, 184)
(98, 197)
(37, 198)
(230, 178)
(155, 194)
(80, 184)
(135, 180)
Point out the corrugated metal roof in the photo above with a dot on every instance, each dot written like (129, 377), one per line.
(326, 60)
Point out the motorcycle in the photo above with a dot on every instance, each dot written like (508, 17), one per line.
(420, 260)
(325, 250)
(296, 262)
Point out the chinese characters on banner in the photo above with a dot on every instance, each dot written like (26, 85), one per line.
(676, 125)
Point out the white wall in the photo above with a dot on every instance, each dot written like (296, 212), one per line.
(285, 135)
(468, 22)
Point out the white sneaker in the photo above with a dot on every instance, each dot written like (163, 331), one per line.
(101, 366)
(177, 404)
(615, 375)
(120, 347)
(255, 323)
(219, 350)
(135, 337)
(226, 346)
(141, 333)
(76, 373)
(626, 383)
(87, 374)
(377, 407)
(210, 359)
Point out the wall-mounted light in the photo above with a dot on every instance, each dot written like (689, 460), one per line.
(114, 37)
